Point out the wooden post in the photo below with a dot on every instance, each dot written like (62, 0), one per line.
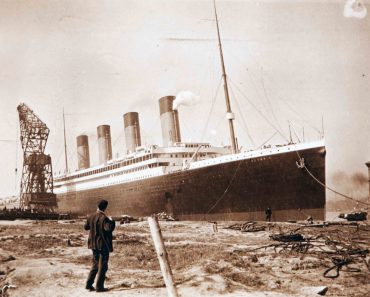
(214, 227)
(162, 256)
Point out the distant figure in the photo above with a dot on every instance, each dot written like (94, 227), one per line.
(100, 241)
(268, 213)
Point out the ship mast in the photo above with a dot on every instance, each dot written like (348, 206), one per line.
(230, 115)
(65, 142)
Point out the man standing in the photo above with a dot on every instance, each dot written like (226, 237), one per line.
(100, 241)
(268, 213)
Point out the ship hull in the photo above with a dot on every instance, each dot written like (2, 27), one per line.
(235, 190)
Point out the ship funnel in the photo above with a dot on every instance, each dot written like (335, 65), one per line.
(132, 131)
(169, 121)
(104, 143)
(83, 154)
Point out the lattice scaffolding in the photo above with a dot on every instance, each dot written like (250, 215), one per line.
(37, 177)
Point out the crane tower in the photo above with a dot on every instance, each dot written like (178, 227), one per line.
(37, 177)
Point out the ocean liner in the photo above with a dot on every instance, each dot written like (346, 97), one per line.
(195, 181)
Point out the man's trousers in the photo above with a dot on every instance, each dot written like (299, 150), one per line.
(100, 267)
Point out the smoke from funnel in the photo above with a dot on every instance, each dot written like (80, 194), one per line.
(355, 185)
(355, 9)
(186, 98)
(359, 179)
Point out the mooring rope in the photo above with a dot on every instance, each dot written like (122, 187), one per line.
(227, 189)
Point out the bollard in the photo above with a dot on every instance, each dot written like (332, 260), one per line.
(162, 256)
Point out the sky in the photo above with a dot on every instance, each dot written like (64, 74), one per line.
(303, 64)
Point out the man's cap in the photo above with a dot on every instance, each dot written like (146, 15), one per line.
(102, 204)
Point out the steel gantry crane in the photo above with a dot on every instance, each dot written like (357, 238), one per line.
(37, 178)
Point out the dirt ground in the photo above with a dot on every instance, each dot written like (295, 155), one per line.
(50, 258)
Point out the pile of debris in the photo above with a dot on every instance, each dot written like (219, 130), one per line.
(5, 270)
(126, 219)
(330, 244)
(247, 227)
(163, 216)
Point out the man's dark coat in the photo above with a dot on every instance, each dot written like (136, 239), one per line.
(101, 228)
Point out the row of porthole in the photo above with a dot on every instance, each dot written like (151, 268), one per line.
(111, 184)
(252, 160)
(118, 182)
(131, 170)
(131, 179)
(261, 153)
(238, 158)
(110, 167)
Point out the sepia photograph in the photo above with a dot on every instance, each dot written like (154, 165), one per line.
(184, 148)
